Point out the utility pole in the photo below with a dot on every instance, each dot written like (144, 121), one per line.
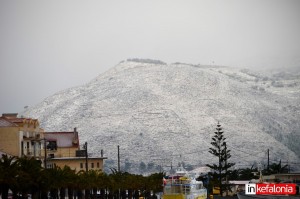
(226, 169)
(289, 168)
(86, 156)
(45, 153)
(118, 158)
(119, 194)
(268, 169)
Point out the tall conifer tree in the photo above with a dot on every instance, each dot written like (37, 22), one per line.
(219, 149)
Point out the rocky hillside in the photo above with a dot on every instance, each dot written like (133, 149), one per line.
(165, 113)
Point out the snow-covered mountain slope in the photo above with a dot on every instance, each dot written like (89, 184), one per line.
(165, 113)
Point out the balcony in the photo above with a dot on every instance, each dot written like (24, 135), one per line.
(32, 153)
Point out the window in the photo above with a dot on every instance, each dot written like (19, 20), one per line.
(81, 165)
(92, 165)
(52, 145)
(98, 165)
(50, 166)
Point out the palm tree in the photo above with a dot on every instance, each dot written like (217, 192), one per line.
(55, 179)
(277, 168)
(82, 183)
(66, 180)
(114, 184)
(102, 183)
(69, 180)
(45, 181)
(93, 177)
(155, 181)
(8, 173)
(28, 176)
(247, 173)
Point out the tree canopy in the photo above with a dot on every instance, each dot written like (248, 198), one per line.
(220, 150)
(25, 176)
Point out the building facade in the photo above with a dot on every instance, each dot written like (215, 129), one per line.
(62, 144)
(21, 137)
(78, 163)
(283, 177)
(63, 148)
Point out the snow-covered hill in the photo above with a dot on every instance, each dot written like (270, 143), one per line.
(166, 113)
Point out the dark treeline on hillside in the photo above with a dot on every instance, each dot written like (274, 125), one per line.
(25, 176)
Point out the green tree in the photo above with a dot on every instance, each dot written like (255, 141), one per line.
(103, 183)
(88, 181)
(71, 180)
(28, 176)
(247, 173)
(25, 175)
(277, 168)
(219, 149)
(8, 173)
(155, 181)
(55, 180)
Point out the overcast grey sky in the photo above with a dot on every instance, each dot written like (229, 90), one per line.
(48, 46)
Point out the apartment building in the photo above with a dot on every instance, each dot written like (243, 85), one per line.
(21, 136)
(63, 148)
(24, 137)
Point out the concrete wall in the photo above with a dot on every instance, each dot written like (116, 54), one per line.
(10, 140)
(64, 152)
(78, 164)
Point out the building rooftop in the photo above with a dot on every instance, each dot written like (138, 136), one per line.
(6, 123)
(12, 117)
